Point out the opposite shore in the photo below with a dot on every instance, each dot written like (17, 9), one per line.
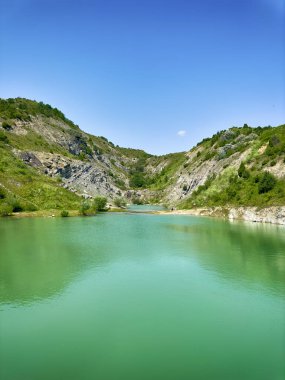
(272, 214)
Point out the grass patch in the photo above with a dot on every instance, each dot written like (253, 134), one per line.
(24, 189)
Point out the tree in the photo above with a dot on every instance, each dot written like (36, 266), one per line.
(266, 183)
(242, 172)
(100, 203)
(137, 180)
(84, 208)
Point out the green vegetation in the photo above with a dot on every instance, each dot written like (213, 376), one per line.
(242, 172)
(86, 208)
(138, 180)
(23, 109)
(266, 182)
(120, 202)
(136, 154)
(89, 207)
(6, 126)
(138, 176)
(167, 175)
(3, 137)
(64, 214)
(251, 184)
(231, 189)
(35, 142)
(25, 189)
(137, 201)
(100, 203)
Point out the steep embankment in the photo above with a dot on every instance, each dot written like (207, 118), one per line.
(47, 162)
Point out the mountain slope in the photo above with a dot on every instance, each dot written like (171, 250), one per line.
(47, 162)
(239, 166)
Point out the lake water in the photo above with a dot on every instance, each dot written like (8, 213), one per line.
(138, 296)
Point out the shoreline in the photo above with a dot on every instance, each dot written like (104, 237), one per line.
(271, 214)
(55, 213)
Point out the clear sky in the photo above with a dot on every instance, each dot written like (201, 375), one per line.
(153, 74)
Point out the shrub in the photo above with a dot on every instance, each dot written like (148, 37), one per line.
(100, 203)
(266, 183)
(2, 193)
(3, 137)
(64, 213)
(88, 151)
(6, 209)
(210, 155)
(6, 126)
(273, 141)
(137, 180)
(82, 156)
(16, 205)
(84, 207)
(31, 207)
(242, 172)
(137, 201)
(120, 202)
(120, 183)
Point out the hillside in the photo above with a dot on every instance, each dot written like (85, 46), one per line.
(47, 162)
(238, 167)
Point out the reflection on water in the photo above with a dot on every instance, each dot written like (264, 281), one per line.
(251, 252)
(39, 257)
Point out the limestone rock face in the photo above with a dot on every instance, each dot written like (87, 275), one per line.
(85, 178)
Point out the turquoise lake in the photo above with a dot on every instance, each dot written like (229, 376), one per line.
(137, 296)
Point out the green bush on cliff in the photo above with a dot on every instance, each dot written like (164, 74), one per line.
(256, 190)
(266, 182)
(3, 137)
(242, 172)
(137, 180)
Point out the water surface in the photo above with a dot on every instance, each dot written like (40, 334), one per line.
(138, 296)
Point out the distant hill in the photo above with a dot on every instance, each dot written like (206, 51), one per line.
(48, 163)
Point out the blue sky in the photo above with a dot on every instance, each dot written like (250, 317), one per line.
(159, 75)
